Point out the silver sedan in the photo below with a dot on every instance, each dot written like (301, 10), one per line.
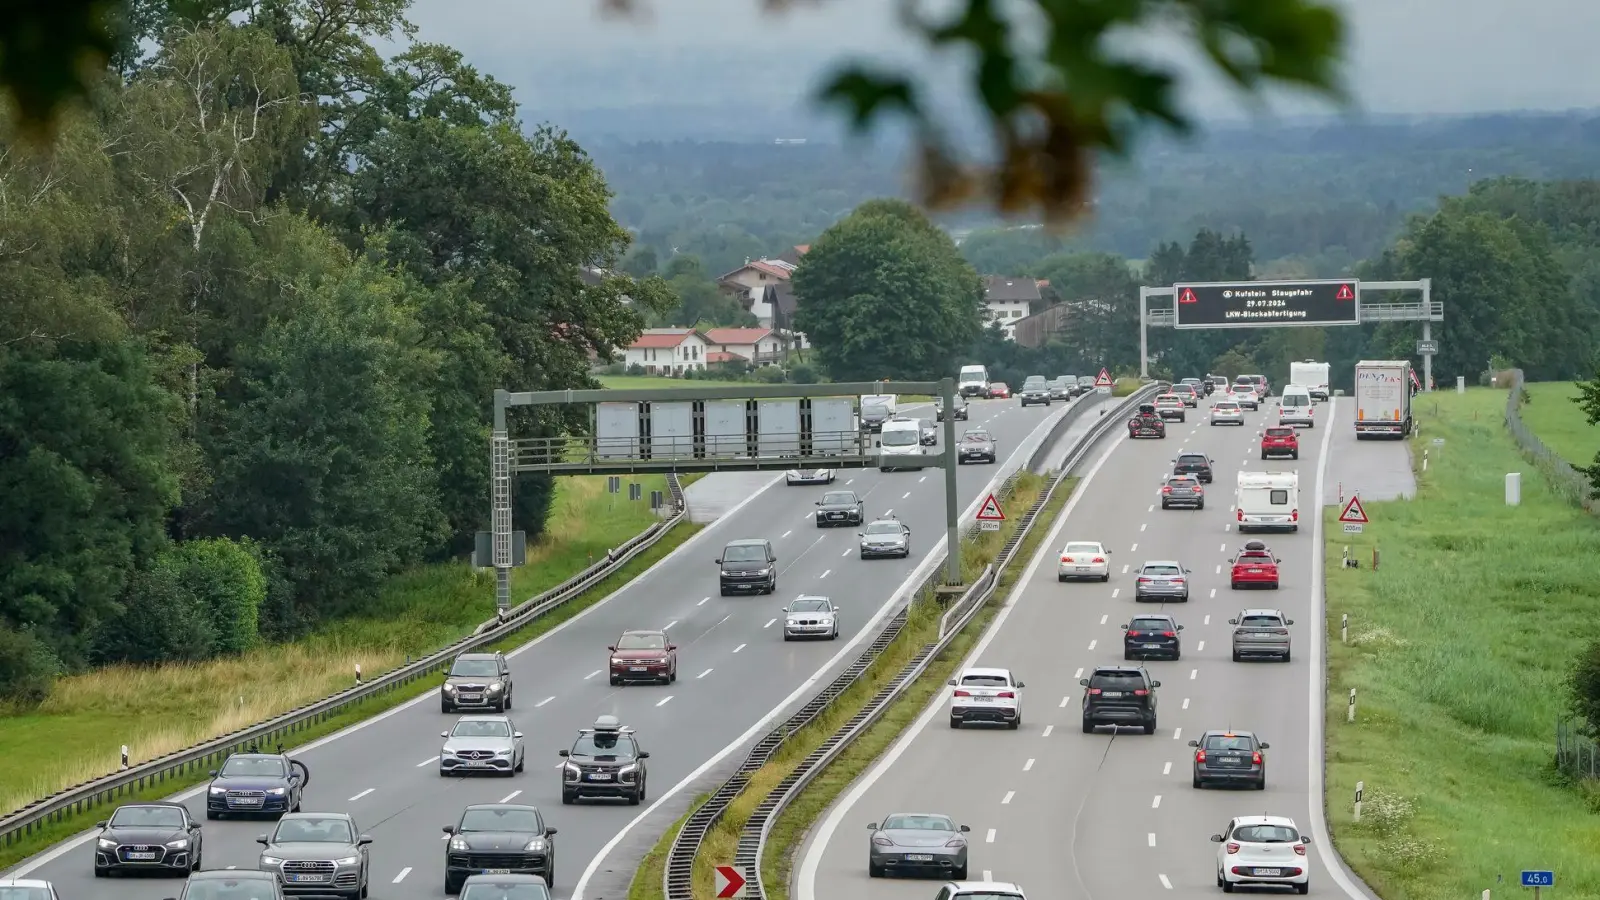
(1227, 412)
(923, 843)
(481, 745)
(810, 617)
(885, 537)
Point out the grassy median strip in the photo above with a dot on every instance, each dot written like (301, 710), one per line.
(10, 739)
(1552, 416)
(922, 627)
(1126, 386)
(1459, 647)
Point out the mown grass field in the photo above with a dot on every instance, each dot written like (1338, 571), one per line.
(78, 732)
(1559, 423)
(1459, 647)
(921, 628)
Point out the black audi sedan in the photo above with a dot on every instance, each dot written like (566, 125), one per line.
(149, 837)
(256, 783)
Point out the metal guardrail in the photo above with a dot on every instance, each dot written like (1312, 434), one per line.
(679, 875)
(1572, 485)
(20, 825)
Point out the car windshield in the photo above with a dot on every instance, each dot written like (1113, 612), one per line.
(600, 744)
(216, 889)
(927, 424)
(481, 728)
(874, 409)
(1183, 388)
(812, 604)
(256, 767)
(918, 823)
(1279, 432)
(984, 680)
(147, 817)
(475, 668)
(1228, 406)
(523, 821)
(1184, 481)
(1169, 399)
(1150, 625)
(744, 553)
(11, 892)
(1035, 381)
(1117, 681)
(901, 438)
(1260, 622)
(313, 831)
(985, 895)
(1082, 548)
(527, 891)
(1229, 742)
(840, 498)
(1266, 834)
(1161, 571)
(883, 528)
(642, 642)
(1187, 460)
(975, 437)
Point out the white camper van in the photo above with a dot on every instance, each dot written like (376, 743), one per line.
(900, 445)
(1268, 501)
(1312, 374)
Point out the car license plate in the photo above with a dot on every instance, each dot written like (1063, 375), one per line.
(496, 872)
(1255, 571)
(600, 776)
(1230, 760)
(1083, 568)
(1111, 693)
(306, 879)
(141, 856)
(1163, 584)
(477, 763)
(919, 857)
(1269, 872)
(1152, 646)
(472, 698)
(636, 668)
(247, 801)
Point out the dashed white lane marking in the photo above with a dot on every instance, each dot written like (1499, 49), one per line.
(704, 674)
(428, 762)
(1223, 548)
(738, 648)
(670, 624)
(1166, 769)
(664, 700)
(1186, 703)
(887, 513)
(1092, 643)
(1028, 765)
(1124, 570)
(1116, 591)
(1104, 617)
(1214, 590)
(1227, 526)
(906, 496)
(1144, 526)
(1207, 621)
(511, 796)
(769, 623)
(1152, 838)
(1193, 674)
(825, 573)
(919, 481)
(1165, 883)
(360, 795)
(1063, 703)
(1047, 730)
(845, 553)
(989, 838)
(1133, 548)
(1219, 569)
(591, 674)
(786, 534)
(807, 516)
(403, 873)
(1156, 803)
(1177, 733)
(543, 702)
(850, 481)
(703, 602)
(1079, 673)
(1152, 508)
(1007, 798)
(1200, 647)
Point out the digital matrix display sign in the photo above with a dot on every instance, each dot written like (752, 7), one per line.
(1260, 304)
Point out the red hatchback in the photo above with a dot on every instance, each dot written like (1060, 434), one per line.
(999, 390)
(1255, 566)
(1280, 441)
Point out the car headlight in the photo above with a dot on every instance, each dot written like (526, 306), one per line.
(535, 846)
(449, 688)
(347, 861)
(616, 662)
(216, 791)
(278, 792)
(179, 844)
(458, 844)
(505, 752)
(571, 769)
(107, 844)
(271, 860)
(766, 571)
(496, 687)
(630, 767)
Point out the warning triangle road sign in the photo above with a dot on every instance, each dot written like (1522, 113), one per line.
(1354, 513)
(990, 511)
(1103, 379)
(1187, 296)
(1345, 293)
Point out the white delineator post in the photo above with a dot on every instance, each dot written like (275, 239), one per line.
(1361, 787)
(1344, 625)
(1513, 488)
(1350, 714)
(124, 757)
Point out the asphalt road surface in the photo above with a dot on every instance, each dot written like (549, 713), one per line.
(734, 671)
(1114, 815)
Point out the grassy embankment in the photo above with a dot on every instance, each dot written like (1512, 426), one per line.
(1125, 386)
(921, 628)
(1459, 648)
(77, 733)
(1551, 415)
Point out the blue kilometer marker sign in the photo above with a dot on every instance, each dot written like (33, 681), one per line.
(1535, 879)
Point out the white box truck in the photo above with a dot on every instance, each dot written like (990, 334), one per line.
(1383, 399)
(1312, 374)
(1268, 501)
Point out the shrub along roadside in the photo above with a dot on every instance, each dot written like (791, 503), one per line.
(922, 626)
(312, 668)
(1460, 676)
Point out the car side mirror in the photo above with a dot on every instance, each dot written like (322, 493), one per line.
(1155, 684)
(1276, 560)
(966, 828)
(1216, 839)
(1305, 839)
(1233, 621)
(1083, 681)
(1021, 685)
(549, 832)
(672, 646)
(818, 503)
(1180, 627)
(861, 534)
(1188, 571)
(213, 773)
(261, 839)
(877, 443)
(1266, 746)
(1194, 743)
(1288, 621)
(718, 560)
(444, 734)
(644, 754)
(873, 826)
(451, 829)
(194, 826)
(517, 734)
(613, 649)
(951, 682)
(563, 753)
(364, 840)
(1124, 628)
(102, 824)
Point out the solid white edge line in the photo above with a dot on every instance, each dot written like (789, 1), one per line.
(870, 628)
(1318, 707)
(805, 882)
(73, 843)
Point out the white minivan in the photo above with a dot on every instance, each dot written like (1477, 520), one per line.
(900, 445)
(1268, 501)
(1295, 408)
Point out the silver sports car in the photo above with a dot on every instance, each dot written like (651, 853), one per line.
(923, 843)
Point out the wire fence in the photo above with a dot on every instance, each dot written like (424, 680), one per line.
(1577, 755)
(1567, 482)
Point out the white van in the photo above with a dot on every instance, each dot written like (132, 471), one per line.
(973, 381)
(1268, 501)
(1295, 408)
(900, 445)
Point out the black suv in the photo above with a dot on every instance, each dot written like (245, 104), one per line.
(840, 508)
(499, 837)
(748, 565)
(605, 761)
(1119, 695)
(1152, 637)
(477, 681)
(960, 406)
(1196, 464)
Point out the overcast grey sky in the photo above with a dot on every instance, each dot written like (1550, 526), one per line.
(1408, 56)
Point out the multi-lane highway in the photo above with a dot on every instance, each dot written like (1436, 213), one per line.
(1065, 813)
(735, 673)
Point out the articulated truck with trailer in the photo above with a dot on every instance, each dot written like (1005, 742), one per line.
(1383, 399)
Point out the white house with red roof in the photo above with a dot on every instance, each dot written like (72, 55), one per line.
(672, 351)
(758, 346)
